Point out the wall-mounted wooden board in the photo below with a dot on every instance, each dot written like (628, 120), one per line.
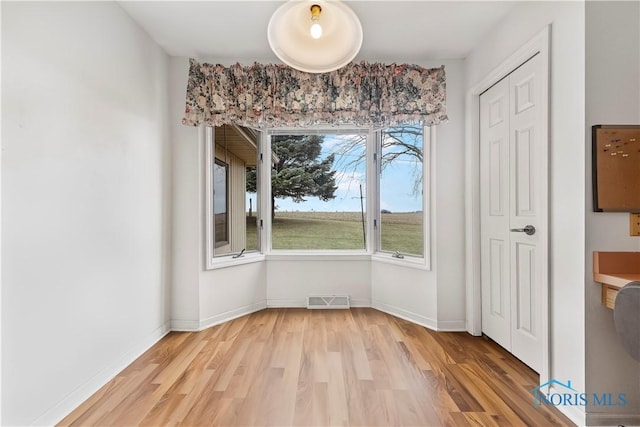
(616, 168)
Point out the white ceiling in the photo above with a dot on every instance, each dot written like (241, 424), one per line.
(394, 31)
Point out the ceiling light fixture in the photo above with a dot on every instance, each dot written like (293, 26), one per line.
(316, 29)
(315, 36)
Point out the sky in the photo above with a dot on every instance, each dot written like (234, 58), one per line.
(397, 185)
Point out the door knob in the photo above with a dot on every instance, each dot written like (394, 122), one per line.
(529, 230)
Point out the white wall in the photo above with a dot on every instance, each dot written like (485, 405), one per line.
(612, 97)
(449, 219)
(435, 298)
(231, 292)
(290, 280)
(567, 163)
(86, 202)
(0, 232)
(405, 292)
(201, 297)
(187, 215)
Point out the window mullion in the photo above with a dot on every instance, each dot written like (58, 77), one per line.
(266, 160)
(373, 186)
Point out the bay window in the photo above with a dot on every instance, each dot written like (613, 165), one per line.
(315, 191)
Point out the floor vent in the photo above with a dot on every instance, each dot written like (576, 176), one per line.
(330, 301)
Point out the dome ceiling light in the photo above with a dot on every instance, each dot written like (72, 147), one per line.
(315, 36)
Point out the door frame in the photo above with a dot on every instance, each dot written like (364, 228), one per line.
(539, 45)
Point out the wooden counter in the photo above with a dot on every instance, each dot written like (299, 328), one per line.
(614, 270)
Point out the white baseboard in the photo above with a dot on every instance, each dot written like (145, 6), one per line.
(627, 420)
(574, 413)
(577, 415)
(302, 303)
(197, 326)
(185, 325)
(452, 326)
(86, 390)
(441, 326)
(232, 314)
(82, 393)
(471, 329)
(406, 315)
(360, 303)
(287, 303)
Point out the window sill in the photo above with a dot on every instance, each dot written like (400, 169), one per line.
(407, 261)
(229, 261)
(336, 255)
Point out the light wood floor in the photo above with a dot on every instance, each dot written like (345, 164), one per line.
(282, 367)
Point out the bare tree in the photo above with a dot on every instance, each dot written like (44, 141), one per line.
(399, 144)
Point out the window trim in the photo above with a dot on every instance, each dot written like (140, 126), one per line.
(212, 262)
(428, 180)
(214, 229)
(266, 193)
(265, 252)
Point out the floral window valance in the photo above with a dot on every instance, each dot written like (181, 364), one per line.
(279, 96)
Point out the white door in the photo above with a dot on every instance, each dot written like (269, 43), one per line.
(513, 209)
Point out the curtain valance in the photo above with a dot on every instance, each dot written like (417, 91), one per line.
(276, 95)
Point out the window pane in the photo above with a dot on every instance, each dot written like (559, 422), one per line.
(318, 188)
(233, 193)
(220, 202)
(401, 172)
(251, 209)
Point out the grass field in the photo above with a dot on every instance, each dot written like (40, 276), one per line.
(340, 230)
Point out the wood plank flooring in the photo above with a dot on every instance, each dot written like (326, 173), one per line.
(298, 367)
